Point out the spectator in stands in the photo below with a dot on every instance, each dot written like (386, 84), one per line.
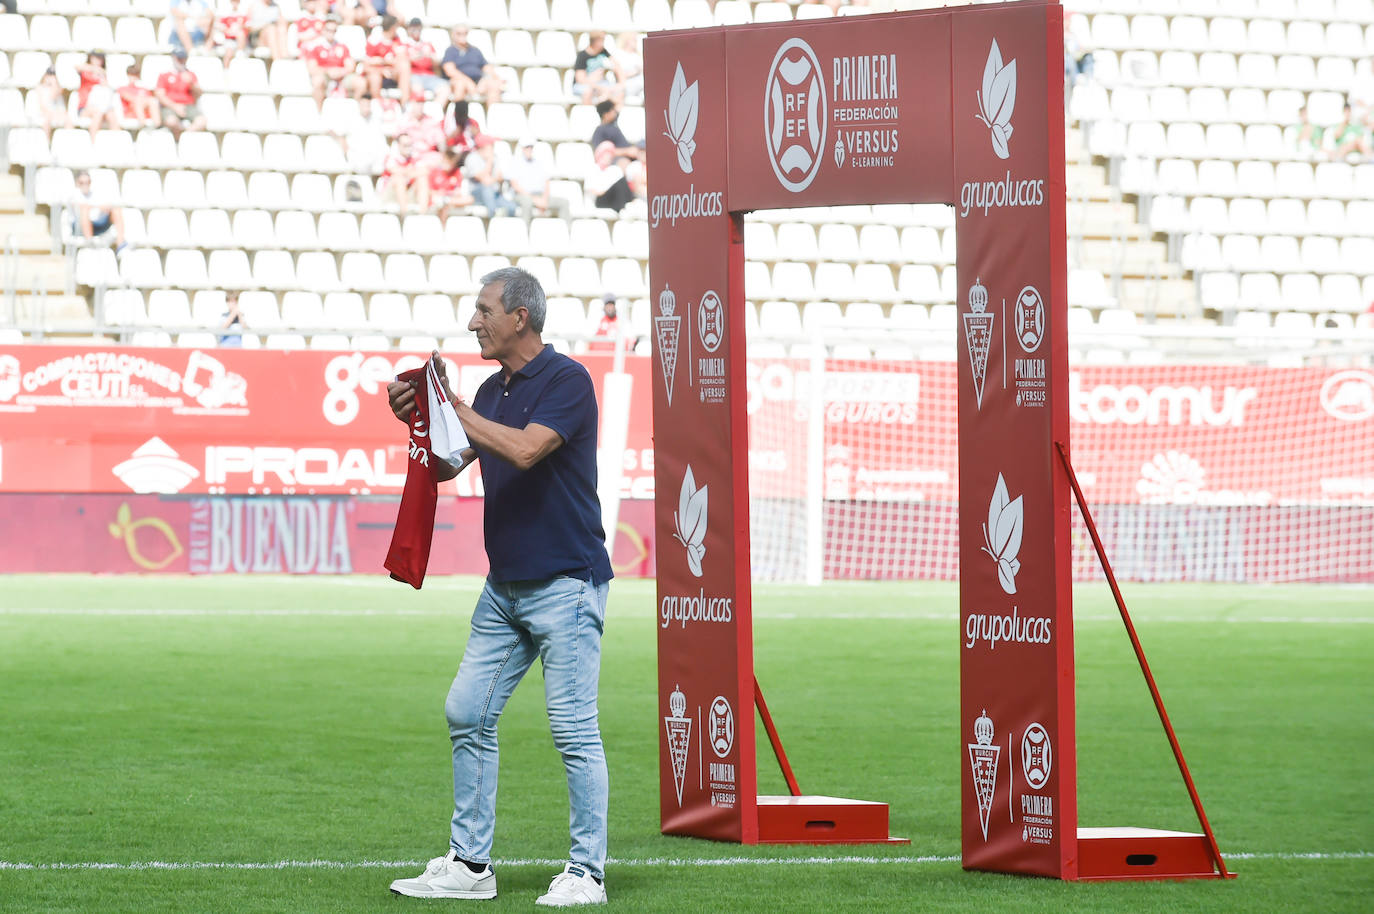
(597, 76)
(468, 71)
(637, 174)
(310, 24)
(386, 64)
(400, 173)
(485, 180)
(1078, 55)
(48, 104)
(330, 65)
(192, 21)
(360, 12)
(1362, 92)
(1306, 136)
(361, 135)
(231, 31)
(607, 183)
(529, 184)
(423, 58)
(445, 186)
(426, 133)
(267, 28)
(138, 100)
(92, 218)
(462, 129)
(627, 154)
(94, 97)
(609, 328)
(1347, 138)
(630, 55)
(177, 92)
(233, 325)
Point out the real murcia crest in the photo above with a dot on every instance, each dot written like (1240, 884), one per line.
(678, 728)
(984, 762)
(690, 519)
(1002, 534)
(997, 100)
(667, 327)
(978, 336)
(681, 119)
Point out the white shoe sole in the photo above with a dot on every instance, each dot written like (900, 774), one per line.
(409, 892)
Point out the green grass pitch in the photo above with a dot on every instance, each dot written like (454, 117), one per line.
(157, 722)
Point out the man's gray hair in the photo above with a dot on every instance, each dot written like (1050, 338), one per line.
(520, 290)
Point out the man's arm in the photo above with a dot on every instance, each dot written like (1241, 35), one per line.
(447, 470)
(520, 447)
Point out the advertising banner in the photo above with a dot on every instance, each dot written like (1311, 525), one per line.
(124, 419)
(705, 648)
(1016, 668)
(262, 534)
(847, 112)
(127, 420)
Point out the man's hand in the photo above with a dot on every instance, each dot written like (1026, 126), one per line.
(401, 395)
(441, 369)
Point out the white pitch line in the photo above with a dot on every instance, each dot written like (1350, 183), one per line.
(684, 862)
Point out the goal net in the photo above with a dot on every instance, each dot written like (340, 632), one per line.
(1236, 470)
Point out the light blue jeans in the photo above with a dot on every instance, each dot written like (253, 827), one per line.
(560, 621)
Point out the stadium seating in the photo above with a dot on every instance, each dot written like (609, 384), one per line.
(1186, 128)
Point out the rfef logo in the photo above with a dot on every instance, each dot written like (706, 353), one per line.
(997, 100)
(795, 115)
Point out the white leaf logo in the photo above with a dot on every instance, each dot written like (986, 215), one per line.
(681, 118)
(1002, 534)
(690, 519)
(998, 99)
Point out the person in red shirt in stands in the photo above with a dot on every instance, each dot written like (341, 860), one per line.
(445, 186)
(400, 173)
(139, 102)
(177, 92)
(462, 129)
(329, 64)
(231, 31)
(422, 58)
(387, 60)
(310, 24)
(608, 328)
(94, 97)
(426, 133)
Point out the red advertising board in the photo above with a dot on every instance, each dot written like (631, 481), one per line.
(262, 534)
(1016, 679)
(705, 647)
(121, 419)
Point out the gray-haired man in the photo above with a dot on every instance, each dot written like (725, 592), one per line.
(533, 426)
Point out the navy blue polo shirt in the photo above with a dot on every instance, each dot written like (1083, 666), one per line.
(469, 62)
(544, 521)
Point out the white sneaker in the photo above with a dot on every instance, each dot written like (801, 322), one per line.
(574, 885)
(448, 877)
